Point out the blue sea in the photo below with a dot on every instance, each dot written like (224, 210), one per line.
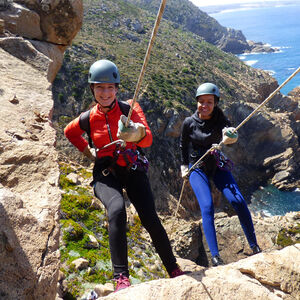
(278, 27)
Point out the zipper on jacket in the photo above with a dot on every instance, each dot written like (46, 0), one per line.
(108, 128)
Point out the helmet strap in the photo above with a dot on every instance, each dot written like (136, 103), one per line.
(109, 106)
(92, 89)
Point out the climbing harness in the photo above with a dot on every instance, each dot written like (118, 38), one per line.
(135, 159)
(217, 146)
(147, 56)
(222, 161)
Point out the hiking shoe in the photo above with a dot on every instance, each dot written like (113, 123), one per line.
(217, 261)
(122, 283)
(256, 249)
(177, 272)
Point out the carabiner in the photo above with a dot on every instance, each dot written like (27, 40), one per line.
(105, 172)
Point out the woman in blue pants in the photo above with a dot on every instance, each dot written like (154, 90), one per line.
(208, 126)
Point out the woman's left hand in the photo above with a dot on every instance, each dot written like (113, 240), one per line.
(229, 136)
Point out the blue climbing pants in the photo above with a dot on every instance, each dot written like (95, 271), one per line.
(225, 183)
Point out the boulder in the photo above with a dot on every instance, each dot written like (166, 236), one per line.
(22, 21)
(274, 275)
(59, 20)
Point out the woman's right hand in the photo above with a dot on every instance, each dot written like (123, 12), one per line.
(230, 136)
(89, 153)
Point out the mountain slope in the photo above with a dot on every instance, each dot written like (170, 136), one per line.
(188, 16)
(180, 61)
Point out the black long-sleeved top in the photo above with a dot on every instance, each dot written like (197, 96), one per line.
(197, 136)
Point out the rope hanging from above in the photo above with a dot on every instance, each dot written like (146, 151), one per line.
(147, 56)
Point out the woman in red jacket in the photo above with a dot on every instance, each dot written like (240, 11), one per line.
(117, 166)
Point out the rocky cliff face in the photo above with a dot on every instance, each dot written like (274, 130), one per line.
(32, 39)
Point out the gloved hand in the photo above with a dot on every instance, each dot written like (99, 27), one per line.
(89, 153)
(229, 137)
(184, 170)
(133, 133)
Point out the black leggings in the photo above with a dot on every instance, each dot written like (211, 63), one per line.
(109, 190)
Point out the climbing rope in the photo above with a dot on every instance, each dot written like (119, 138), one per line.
(121, 142)
(146, 59)
(217, 146)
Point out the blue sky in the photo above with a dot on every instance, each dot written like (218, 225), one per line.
(217, 2)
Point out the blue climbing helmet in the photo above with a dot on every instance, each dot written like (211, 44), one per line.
(208, 89)
(104, 71)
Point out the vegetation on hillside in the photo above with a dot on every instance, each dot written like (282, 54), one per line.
(120, 31)
(81, 218)
(179, 62)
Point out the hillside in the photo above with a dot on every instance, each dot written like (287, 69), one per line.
(179, 62)
(187, 16)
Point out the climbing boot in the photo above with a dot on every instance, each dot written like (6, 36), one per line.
(177, 272)
(122, 283)
(256, 249)
(217, 261)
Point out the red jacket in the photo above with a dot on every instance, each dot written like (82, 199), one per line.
(99, 123)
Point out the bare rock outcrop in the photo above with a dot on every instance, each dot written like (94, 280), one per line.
(274, 275)
(56, 22)
(38, 32)
(33, 37)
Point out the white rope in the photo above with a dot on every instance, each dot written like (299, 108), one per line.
(146, 59)
(121, 142)
(216, 146)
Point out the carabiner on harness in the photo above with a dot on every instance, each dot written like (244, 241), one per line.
(105, 172)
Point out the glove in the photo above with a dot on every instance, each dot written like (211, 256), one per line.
(184, 170)
(133, 133)
(89, 153)
(229, 137)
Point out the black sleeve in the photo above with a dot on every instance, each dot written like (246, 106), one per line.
(184, 142)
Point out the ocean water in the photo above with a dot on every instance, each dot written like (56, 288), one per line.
(270, 201)
(278, 27)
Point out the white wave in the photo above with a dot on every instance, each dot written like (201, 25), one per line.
(266, 213)
(297, 190)
(251, 62)
(291, 69)
(271, 72)
(242, 57)
(230, 10)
